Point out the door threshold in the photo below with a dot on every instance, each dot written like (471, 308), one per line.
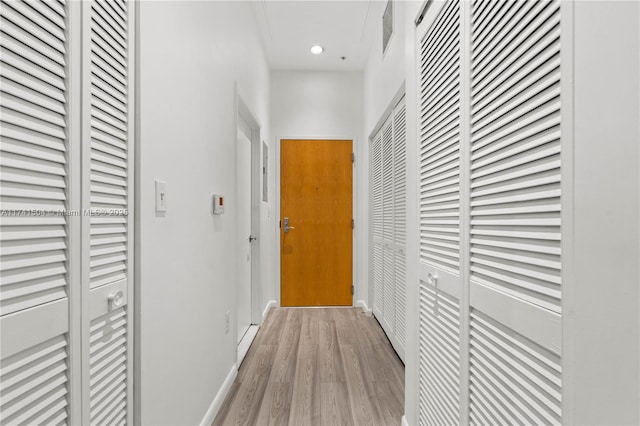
(320, 307)
(245, 343)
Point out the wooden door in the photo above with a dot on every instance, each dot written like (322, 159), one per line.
(316, 198)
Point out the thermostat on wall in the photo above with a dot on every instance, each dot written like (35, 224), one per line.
(218, 204)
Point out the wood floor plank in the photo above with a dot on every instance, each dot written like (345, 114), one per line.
(345, 326)
(390, 402)
(375, 361)
(271, 330)
(284, 364)
(276, 404)
(336, 410)
(330, 360)
(248, 399)
(227, 405)
(361, 393)
(321, 366)
(305, 404)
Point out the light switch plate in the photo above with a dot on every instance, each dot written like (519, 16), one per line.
(161, 196)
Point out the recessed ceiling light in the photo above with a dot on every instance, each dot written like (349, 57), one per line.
(317, 49)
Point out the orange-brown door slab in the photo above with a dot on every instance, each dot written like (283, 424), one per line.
(316, 193)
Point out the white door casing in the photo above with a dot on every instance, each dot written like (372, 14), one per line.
(244, 236)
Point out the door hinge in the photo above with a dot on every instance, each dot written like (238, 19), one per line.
(280, 224)
(353, 158)
(353, 290)
(353, 224)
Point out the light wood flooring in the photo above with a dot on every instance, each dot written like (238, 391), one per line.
(317, 366)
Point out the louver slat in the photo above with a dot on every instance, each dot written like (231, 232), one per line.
(440, 141)
(109, 145)
(33, 156)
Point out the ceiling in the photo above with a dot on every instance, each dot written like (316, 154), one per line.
(344, 28)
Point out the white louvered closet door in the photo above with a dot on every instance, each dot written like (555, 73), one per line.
(107, 193)
(400, 226)
(377, 243)
(388, 161)
(65, 329)
(388, 287)
(34, 287)
(439, 270)
(515, 213)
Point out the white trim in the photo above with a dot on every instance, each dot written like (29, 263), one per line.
(362, 304)
(74, 193)
(569, 285)
(465, 210)
(135, 282)
(132, 114)
(244, 114)
(211, 413)
(85, 222)
(245, 343)
(400, 94)
(404, 421)
(270, 304)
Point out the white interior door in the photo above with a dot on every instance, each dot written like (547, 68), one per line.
(107, 193)
(244, 230)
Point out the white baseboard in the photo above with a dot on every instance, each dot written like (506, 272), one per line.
(404, 421)
(362, 304)
(270, 304)
(210, 416)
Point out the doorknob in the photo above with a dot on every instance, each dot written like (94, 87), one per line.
(286, 225)
(252, 238)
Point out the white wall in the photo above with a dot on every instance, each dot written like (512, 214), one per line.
(191, 55)
(321, 105)
(601, 313)
(385, 73)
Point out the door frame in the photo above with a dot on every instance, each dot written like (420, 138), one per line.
(244, 112)
(357, 216)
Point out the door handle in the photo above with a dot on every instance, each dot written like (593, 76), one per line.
(252, 238)
(286, 225)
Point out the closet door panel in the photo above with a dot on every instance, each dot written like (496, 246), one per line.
(440, 148)
(107, 195)
(400, 223)
(34, 227)
(439, 59)
(388, 229)
(515, 256)
(377, 243)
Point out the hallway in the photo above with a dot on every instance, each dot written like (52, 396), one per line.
(486, 228)
(326, 366)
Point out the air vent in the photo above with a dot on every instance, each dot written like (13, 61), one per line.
(387, 25)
